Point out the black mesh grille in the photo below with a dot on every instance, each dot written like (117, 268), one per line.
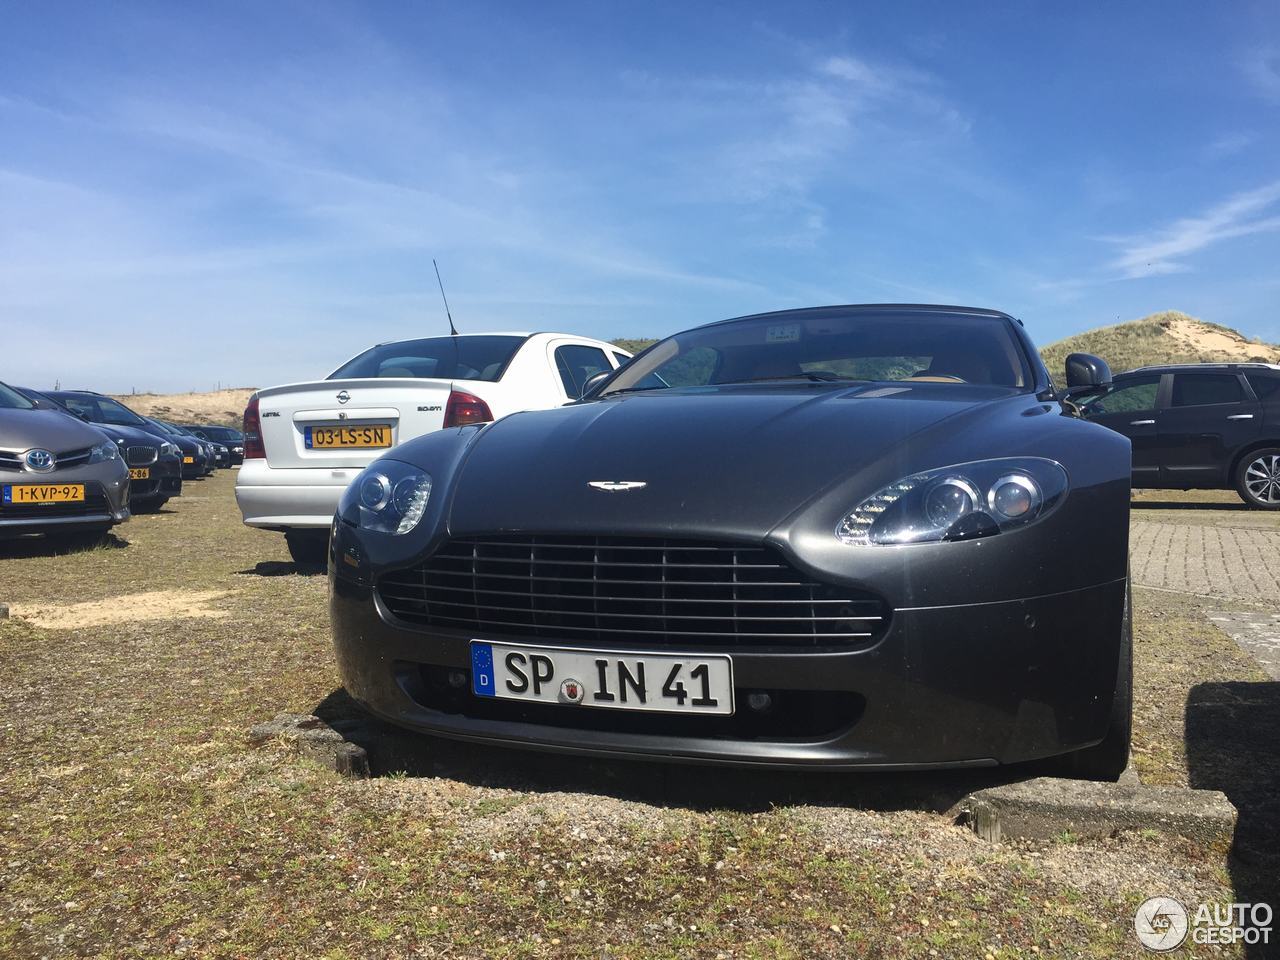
(630, 592)
(142, 456)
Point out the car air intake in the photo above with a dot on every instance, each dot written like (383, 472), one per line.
(628, 592)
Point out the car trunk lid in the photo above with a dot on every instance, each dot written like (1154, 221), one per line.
(304, 423)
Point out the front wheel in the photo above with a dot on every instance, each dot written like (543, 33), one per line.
(1109, 758)
(309, 549)
(1258, 478)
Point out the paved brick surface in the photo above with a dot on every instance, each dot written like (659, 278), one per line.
(1240, 562)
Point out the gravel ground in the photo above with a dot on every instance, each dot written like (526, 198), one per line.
(136, 821)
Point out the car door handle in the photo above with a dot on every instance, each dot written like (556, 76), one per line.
(1141, 423)
(1241, 416)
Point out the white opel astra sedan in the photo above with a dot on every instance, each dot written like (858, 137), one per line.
(305, 442)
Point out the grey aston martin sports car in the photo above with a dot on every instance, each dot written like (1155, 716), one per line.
(861, 537)
(58, 475)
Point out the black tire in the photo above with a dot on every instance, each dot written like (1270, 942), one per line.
(1261, 468)
(1109, 758)
(308, 548)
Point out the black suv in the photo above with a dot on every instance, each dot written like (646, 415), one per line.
(1201, 425)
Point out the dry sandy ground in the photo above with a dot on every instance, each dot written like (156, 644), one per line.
(1212, 340)
(217, 406)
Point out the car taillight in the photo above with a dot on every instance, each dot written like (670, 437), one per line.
(463, 408)
(253, 446)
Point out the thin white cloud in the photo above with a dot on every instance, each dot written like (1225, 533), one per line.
(1261, 66)
(1165, 250)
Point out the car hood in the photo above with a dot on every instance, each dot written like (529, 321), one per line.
(130, 435)
(50, 430)
(712, 460)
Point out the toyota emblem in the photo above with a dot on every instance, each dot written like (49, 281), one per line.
(40, 461)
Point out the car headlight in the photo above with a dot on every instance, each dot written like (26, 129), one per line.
(104, 451)
(387, 497)
(168, 449)
(960, 502)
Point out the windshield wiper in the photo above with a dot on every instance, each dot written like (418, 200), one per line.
(812, 375)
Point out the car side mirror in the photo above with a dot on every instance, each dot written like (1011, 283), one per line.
(589, 385)
(1085, 372)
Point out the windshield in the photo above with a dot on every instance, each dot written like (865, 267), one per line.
(11, 399)
(837, 345)
(221, 434)
(99, 409)
(444, 358)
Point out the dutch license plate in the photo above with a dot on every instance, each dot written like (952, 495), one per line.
(658, 683)
(188, 459)
(42, 493)
(139, 473)
(371, 435)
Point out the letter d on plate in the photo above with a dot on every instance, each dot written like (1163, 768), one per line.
(482, 669)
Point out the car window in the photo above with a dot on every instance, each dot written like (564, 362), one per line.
(100, 409)
(1138, 393)
(449, 358)
(1202, 389)
(577, 363)
(835, 344)
(621, 359)
(11, 399)
(1264, 386)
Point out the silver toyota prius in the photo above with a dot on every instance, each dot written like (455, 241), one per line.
(58, 476)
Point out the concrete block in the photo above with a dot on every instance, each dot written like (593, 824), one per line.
(1046, 807)
(311, 737)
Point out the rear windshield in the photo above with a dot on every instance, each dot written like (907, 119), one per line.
(99, 409)
(11, 399)
(444, 358)
(835, 345)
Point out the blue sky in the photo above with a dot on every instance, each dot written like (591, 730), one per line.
(252, 193)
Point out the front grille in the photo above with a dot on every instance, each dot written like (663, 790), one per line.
(633, 592)
(93, 503)
(141, 456)
(11, 460)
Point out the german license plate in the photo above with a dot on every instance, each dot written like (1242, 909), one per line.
(370, 435)
(188, 459)
(139, 473)
(658, 683)
(42, 493)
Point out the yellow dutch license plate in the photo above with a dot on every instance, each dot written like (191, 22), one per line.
(369, 435)
(139, 473)
(188, 459)
(42, 493)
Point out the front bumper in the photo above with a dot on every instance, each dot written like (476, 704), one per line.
(948, 686)
(106, 504)
(282, 498)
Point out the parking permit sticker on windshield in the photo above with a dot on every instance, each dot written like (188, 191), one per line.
(785, 333)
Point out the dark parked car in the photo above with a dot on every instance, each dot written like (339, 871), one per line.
(59, 476)
(195, 456)
(233, 440)
(206, 456)
(860, 537)
(155, 464)
(1199, 426)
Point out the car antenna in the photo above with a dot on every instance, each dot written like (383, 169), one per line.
(452, 329)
